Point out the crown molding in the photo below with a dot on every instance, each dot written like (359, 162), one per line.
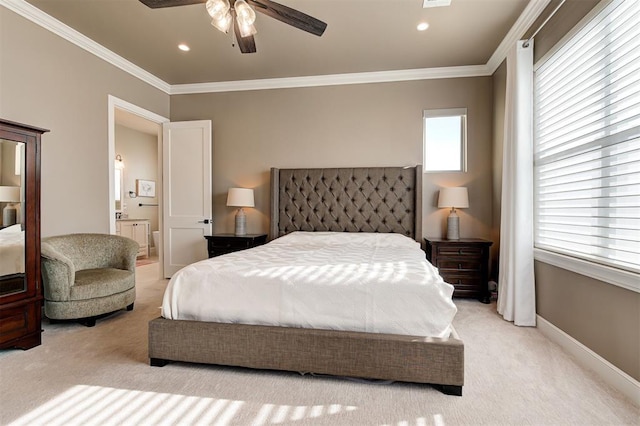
(523, 23)
(48, 22)
(332, 80)
(35, 15)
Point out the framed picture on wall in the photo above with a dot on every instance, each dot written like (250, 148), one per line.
(146, 188)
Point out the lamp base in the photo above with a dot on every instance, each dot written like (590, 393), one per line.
(453, 227)
(241, 222)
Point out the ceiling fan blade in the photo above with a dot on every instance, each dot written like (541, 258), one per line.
(289, 16)
(157, 4)
(246, 44)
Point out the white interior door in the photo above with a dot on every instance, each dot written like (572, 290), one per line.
(186, 193)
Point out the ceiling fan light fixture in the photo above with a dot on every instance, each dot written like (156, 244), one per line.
(240, 16)
(245, 14)
(224, 23)
(217, 9)
(247, 30)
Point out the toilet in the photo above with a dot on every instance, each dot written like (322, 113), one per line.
(156, 237)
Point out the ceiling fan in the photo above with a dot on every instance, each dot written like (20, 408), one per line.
(223, 13)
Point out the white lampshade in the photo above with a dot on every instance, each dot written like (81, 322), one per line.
(9, 194)
(456, 197)
(240, 197)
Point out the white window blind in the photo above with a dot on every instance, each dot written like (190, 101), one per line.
(587, 142)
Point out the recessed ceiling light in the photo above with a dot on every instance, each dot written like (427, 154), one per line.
(436, 3)
(184, 47)
(422, 26)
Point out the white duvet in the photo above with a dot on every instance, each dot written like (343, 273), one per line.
(376, 282)
(12, 250)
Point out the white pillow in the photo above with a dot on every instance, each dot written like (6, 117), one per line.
(372, 239)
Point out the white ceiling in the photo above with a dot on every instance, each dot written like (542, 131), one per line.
(362, 36)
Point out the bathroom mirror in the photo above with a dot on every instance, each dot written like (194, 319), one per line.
(118, 189)
(12, 232)
(118, 186)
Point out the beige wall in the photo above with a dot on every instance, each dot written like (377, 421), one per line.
(342, 126)
(7, 171)
(8, 164)
(603, 317)
(48, 82)
(139, 153)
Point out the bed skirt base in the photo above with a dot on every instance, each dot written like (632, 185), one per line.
(340, 353)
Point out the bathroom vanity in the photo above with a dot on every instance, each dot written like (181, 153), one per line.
(137, 230)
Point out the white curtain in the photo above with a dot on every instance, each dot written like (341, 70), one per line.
(516, 284)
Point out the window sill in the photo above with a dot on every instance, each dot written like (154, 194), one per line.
(618, 277)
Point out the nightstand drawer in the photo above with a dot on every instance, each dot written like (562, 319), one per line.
(223, 243)
(447, 265)
(220, 244)
(460, 251)
(220, 251)
(462, 282)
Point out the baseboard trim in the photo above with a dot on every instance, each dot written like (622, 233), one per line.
(608, 372)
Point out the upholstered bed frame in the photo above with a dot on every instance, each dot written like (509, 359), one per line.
(378, 199)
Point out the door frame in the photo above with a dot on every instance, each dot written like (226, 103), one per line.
(115, 103)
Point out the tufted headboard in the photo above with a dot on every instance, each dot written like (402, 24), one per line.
(361, 199)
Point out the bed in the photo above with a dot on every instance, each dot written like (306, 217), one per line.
(324, 202)
(12, 272)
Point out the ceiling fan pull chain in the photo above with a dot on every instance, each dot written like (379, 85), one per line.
(233, 29)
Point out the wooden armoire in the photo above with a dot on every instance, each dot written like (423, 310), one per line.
(20, 280)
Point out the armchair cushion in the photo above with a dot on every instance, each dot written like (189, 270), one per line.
(92, 283)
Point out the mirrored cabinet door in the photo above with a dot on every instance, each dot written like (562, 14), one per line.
(20, 290)
(12, 247)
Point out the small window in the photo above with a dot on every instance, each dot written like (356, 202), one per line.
(445, 140)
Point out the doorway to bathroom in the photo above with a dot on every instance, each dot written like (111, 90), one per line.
(135, 144)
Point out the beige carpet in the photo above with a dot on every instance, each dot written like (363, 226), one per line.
(100, 376)
(146, 260)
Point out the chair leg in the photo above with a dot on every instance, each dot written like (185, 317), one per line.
(130, 307)
(88, 322)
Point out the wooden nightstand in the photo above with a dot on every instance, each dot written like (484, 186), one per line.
(219, 244)
(462, 263)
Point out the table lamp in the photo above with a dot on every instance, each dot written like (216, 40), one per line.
(456, 197)
(9, 194)
(240, 197)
